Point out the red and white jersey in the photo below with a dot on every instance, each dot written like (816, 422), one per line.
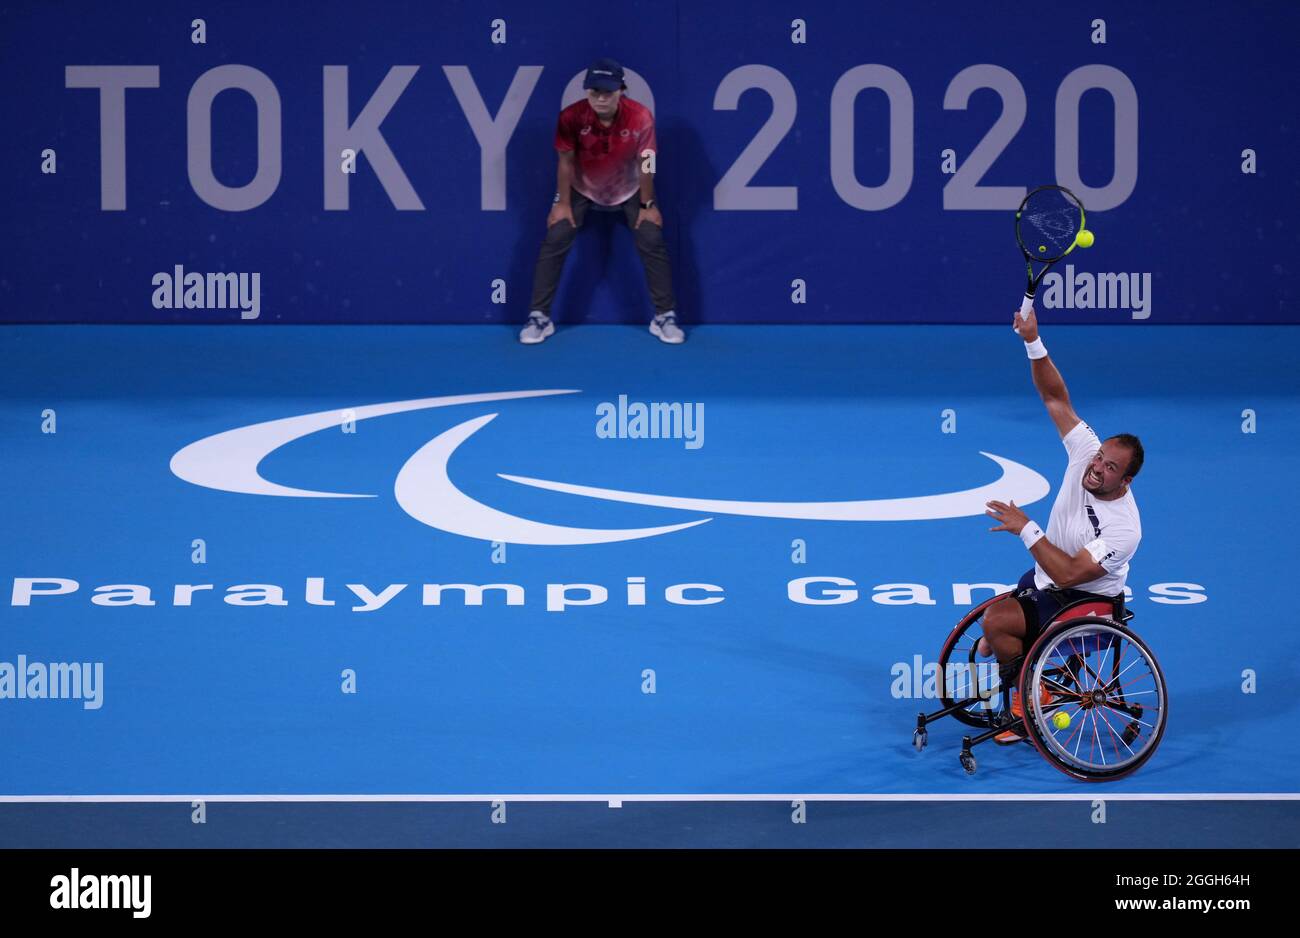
(608, 161)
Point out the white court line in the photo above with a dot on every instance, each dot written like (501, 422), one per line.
(1091, 795)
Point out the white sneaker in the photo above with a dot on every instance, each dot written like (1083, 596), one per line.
(664, 326)
(538, 328)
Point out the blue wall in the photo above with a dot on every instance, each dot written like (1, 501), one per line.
(1209, 80)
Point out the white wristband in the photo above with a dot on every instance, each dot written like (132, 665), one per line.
(1036, 349)
(1031, 534)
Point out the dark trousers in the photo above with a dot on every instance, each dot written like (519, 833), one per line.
(649, 244)
(1041, 605)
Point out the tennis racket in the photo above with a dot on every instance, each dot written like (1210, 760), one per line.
(1048, 225)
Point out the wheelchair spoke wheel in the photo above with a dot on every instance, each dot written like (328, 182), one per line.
(1108, 685)
(965, 674)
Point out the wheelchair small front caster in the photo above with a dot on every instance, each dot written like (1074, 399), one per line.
(919, 739)
(967, 757)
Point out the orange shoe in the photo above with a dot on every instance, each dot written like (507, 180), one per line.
(1016, 735)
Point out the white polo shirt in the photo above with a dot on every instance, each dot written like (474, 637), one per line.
(1110, 530)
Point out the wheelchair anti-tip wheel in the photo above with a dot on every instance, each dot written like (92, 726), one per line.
(965, 675)
(1105, 679)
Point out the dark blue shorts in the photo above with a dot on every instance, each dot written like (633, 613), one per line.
(1041, 605)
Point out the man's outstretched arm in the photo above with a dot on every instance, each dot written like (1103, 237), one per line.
(1065, 571)
(1048, 381)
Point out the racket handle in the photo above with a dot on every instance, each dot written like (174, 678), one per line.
(1026, 306)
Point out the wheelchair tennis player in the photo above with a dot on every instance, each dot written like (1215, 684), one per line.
(1092, 534)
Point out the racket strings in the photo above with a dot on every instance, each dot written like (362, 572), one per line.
(1049, 223)
(1059, 226)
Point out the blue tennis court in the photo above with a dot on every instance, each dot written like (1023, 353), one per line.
(443, 566)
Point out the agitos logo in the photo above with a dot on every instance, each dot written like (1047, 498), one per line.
(229, 462)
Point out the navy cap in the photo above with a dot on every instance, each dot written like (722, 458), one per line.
(604, 75)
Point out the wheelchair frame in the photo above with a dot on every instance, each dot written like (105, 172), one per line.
(1083, 621)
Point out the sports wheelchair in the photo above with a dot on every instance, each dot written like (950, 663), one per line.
(1086, 664)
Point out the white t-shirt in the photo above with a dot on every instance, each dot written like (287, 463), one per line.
(1110, 530)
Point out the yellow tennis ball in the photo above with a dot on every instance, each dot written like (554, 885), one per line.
(1061, 720)
(1042, 248)
(1084, 238)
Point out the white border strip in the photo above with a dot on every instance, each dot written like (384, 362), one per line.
(1094, 794)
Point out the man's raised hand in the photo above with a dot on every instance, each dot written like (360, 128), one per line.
(1027, 326)
(1012, 518)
